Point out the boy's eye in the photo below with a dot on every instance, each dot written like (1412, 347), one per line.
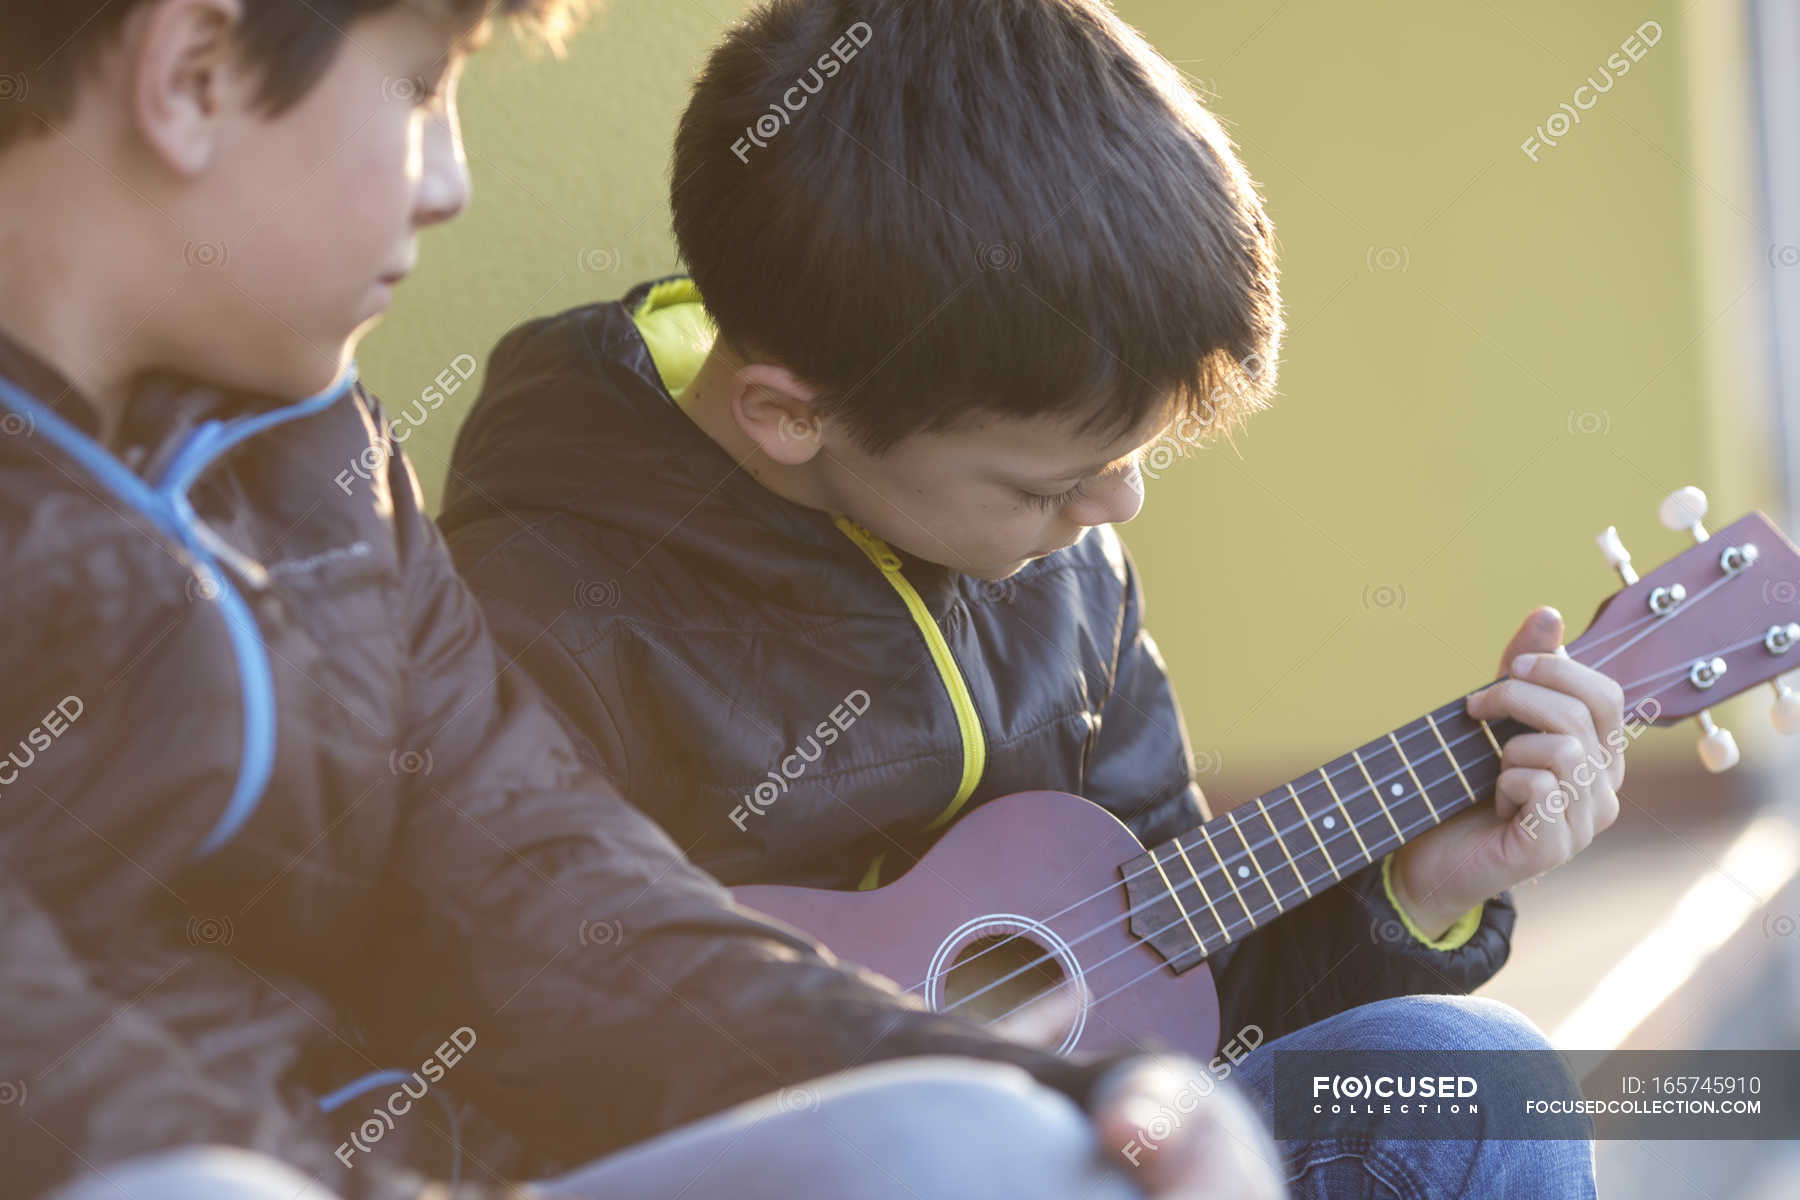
(1052, 503)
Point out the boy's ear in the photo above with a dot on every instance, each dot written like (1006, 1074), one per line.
(185, 67)
(774, 408)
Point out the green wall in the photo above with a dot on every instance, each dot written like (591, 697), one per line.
(1489, 359)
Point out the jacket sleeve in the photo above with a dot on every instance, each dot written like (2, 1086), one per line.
(614, 989)
(1347, 946)
(88, 1079)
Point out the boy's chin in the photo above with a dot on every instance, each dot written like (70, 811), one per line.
(283, 372)
(996, 574)
(317, 373)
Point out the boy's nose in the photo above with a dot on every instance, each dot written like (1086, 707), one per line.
(1112, 500)
(444, 184)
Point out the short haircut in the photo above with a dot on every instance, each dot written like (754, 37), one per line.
(940, 209)
(47, 44)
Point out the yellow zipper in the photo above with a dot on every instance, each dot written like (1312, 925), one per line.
(968, 721)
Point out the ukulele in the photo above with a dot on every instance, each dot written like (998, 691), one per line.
(1110, 947)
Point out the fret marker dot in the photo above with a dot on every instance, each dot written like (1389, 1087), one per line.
(1243, 872)
(1330, 822)
(1396, 789)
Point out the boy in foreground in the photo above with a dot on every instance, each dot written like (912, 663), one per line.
(293, 870)
(954, 265)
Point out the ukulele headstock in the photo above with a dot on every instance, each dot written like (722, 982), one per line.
(1710, 623)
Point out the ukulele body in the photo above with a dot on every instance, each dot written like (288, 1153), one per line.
(1012, 867)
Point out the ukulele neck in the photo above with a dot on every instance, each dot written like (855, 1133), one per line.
(1216, 883)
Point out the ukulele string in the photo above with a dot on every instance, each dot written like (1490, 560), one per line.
(1250, 924)
(1732, 649)
(1279, 835)
(1249, 921)
(1276, 839)
(1252, 918)
(1685, 607)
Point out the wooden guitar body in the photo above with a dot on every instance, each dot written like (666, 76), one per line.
(1018, 869)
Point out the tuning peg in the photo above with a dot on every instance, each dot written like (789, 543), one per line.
(1617, 556)
(1785, 713)
(1684, 508)
(1718, 749)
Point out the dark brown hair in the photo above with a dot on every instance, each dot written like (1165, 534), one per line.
(44, 47)
(934, 209)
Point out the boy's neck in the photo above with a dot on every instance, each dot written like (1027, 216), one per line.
(707, 402)
(46, 311)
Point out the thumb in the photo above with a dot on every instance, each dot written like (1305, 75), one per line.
(1541, 633)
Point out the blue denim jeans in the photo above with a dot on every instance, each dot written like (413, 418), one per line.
(959, 1130)
(1369, 1169)
(948, 1129)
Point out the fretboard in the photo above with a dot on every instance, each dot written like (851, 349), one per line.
(1212, 885)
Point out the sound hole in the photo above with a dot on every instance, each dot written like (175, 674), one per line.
(1030, 1002)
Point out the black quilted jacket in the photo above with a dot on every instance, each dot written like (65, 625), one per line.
(275, 815)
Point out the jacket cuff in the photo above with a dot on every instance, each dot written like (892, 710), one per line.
(1455, 936)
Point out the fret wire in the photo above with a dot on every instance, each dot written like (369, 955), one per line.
(1226, 871)
(1217, 920)
(1454, 765)
(1412, 830)
(1251, 925)
(1456, 709)
(1376, 792)
(1307, 817)
(1463, 781)
(1250, 919)
(1182, 908)
(1292, 865)
(1254, 865)
(1312, 863)
(1347, 817)
(1407, 763)
(1387, 768)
